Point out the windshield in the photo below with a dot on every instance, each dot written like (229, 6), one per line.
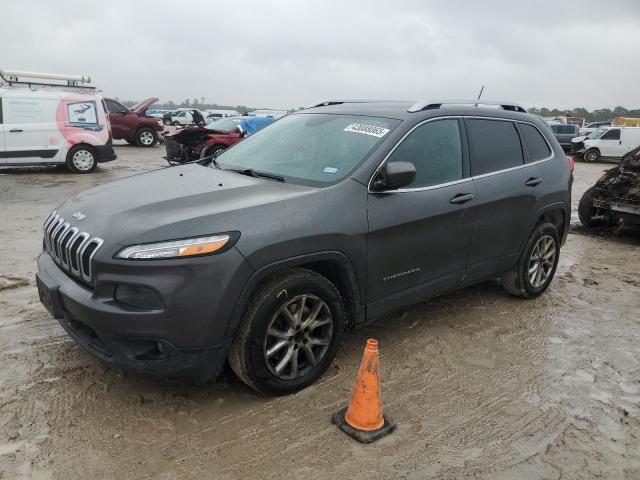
(596, 134)
(226, 124)
(313, 148)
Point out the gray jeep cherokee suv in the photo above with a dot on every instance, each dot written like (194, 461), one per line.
(330, 217)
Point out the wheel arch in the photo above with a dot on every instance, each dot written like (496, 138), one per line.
(334, 266)
(558, 214)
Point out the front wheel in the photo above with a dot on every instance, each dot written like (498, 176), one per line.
(591, 155)
(290, 333)
(537, 265)
(81, 159)
(146, 137)
(214, 151)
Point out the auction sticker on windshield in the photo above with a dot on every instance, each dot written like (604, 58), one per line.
(367, 129)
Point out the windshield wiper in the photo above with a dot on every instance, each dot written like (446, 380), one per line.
(250, 172)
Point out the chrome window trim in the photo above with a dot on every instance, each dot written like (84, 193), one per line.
(462, 180)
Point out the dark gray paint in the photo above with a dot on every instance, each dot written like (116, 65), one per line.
(388, 249)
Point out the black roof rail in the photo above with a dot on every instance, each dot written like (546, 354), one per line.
(434, 105)
(326, 103)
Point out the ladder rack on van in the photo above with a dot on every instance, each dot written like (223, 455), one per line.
(20, 78)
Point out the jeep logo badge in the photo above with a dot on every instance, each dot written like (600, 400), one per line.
(79, 216)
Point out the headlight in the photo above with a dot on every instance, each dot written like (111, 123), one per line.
(189, 247)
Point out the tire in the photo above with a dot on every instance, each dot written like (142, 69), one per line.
(518, 281)
(214, 150)
(586, 209)
(82, 159)
(146, 137)
(267, 312)
(175, 124)
(592, 155)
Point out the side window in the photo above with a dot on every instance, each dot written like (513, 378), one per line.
(29, 110)
(494, 144)
(435, 150)
(82, 112)
(538, 147)
(613, 134)
(113, 107)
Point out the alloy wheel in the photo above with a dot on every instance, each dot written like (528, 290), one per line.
(541, 261)
(298, 337)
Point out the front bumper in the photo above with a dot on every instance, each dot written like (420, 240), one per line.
(186, 337)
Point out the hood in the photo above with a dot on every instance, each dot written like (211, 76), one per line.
(188, 133)
(178, 202)
(142, 107)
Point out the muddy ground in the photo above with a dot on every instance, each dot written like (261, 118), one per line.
(482, 385)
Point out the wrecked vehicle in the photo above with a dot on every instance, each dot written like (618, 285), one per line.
(615, 198)
(196, 143)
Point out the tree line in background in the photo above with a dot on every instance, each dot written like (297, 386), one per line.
(197, 103)
(594, 116)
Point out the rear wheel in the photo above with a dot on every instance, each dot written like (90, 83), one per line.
(592, 155)
(82, 159)
(290, 333)
(537, 265)
(146, 137)
(175, 124)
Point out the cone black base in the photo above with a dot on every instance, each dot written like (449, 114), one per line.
(364, 436)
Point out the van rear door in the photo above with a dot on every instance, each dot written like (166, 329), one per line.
(630, 139)
(3, 155)
(31, 134)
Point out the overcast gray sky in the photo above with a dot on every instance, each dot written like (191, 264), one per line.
(285, 54)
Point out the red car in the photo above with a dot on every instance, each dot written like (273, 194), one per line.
(133, 125)
(198, 142)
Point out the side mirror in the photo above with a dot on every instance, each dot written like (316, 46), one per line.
(394, 175)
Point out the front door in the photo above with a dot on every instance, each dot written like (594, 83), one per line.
(610, 143)
(120, 124)
(419, 236)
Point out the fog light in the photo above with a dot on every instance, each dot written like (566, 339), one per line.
(138, 297)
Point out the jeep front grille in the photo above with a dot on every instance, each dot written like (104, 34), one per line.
(71, 249)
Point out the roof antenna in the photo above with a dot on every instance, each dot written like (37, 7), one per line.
(479, 95)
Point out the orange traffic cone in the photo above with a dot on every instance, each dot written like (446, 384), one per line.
(363, 419)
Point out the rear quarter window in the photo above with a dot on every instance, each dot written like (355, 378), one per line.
(494, 145)
(537, 145)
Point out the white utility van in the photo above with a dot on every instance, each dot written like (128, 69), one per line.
(52, 123)
(610, 142)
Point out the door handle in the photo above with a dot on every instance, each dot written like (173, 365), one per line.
(15, 130)
(461, 198)
(533, 181)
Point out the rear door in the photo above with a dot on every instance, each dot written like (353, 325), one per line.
(419, 236)
(630, 139)
(507, 189)
(31, 132)
(3, 156)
